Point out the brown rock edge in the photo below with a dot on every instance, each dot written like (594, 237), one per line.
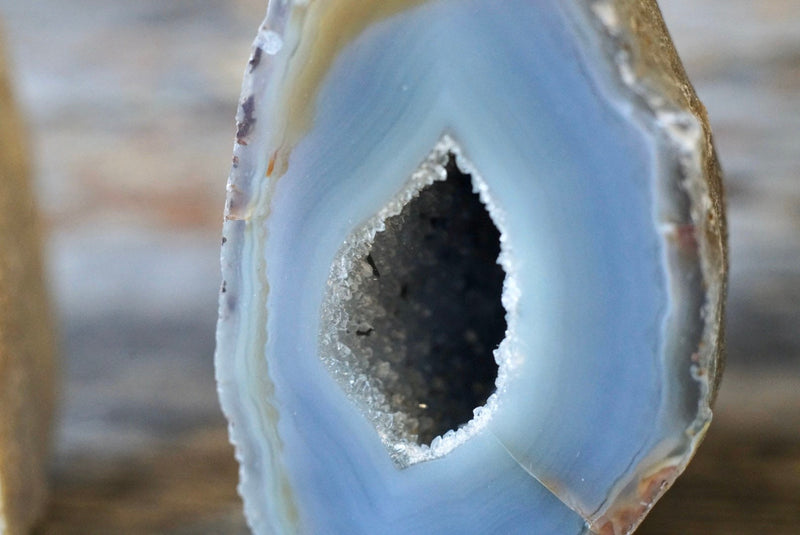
(27, 366)
(655, 61)
(659, 78)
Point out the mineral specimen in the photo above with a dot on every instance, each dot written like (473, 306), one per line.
(473, 268)
(26, 335)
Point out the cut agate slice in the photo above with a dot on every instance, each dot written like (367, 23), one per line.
(473, 268)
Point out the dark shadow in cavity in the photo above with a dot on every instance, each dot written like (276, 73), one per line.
(435, 288)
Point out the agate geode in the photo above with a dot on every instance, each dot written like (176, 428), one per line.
(473, 268)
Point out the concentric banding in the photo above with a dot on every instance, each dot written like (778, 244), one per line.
(614, 229)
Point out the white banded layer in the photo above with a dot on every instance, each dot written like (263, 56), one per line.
(598, 385)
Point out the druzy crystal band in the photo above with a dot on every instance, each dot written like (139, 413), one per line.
(413, 323)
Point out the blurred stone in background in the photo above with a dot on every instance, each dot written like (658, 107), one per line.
(27, 340)
(131, 107)
(131, 104)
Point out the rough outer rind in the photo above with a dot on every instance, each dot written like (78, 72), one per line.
(26, 334)
(655, 61)
(651, 68)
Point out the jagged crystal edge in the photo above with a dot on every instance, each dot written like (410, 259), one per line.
(344, 366)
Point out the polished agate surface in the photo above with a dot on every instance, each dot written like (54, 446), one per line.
(465, 288)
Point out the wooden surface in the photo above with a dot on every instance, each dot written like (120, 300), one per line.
(132, 105)
(745, 479)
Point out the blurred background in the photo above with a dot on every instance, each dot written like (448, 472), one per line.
(130, 107)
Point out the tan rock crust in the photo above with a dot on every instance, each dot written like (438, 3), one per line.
(26, 334)
(639, 29)
(655, 60)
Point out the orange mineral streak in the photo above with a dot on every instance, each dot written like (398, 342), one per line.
(623, 518)
(271, 166)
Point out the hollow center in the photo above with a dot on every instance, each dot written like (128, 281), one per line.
(424, 313)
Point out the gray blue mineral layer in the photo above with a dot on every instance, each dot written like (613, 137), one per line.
(528, 108)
